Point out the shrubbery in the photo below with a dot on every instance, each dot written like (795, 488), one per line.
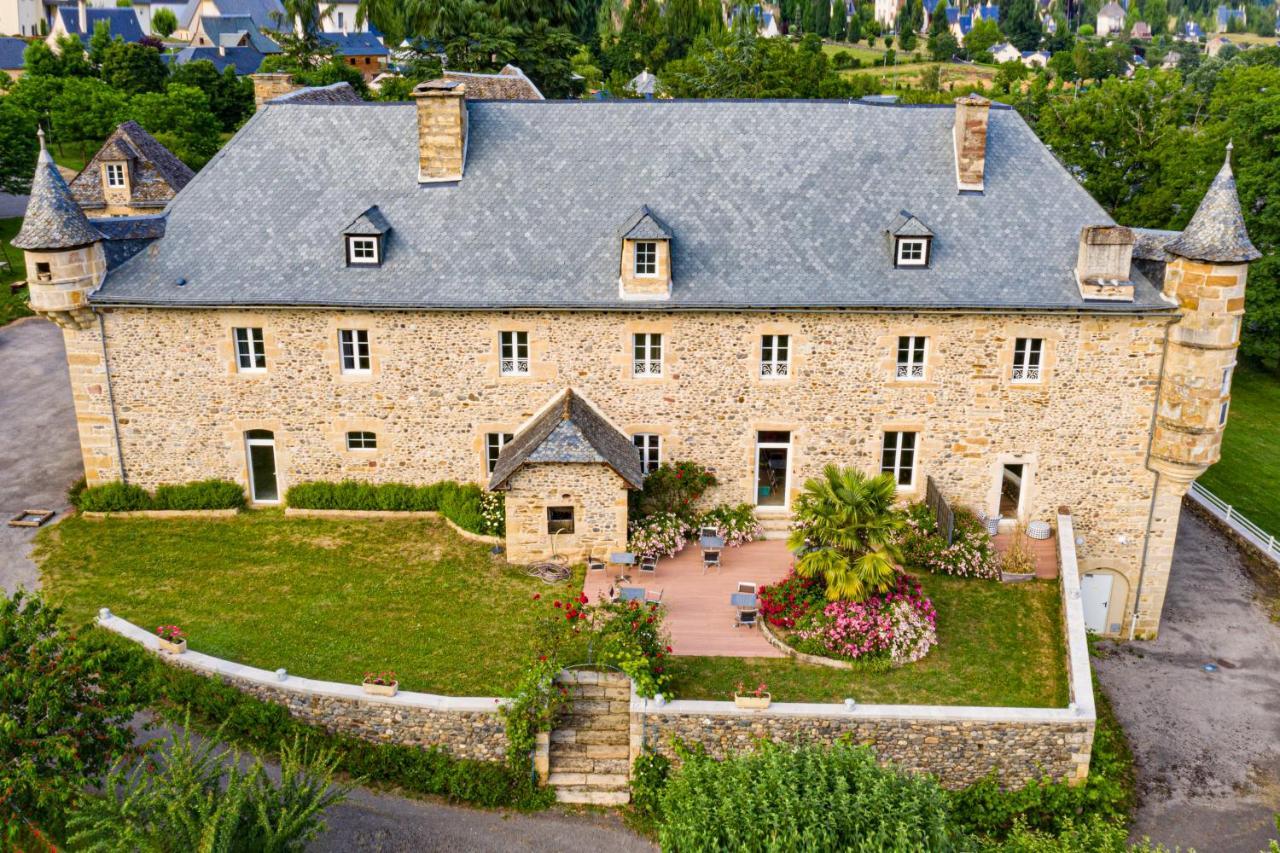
(125, 497)
(663, 534)
(465, 504)
(970, 554)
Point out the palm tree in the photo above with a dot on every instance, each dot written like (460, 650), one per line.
(846, 528)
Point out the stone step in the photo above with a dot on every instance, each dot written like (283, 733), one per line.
(620, 749)
(596, 722)
(593, 796)
(584, 764)
(591, 677)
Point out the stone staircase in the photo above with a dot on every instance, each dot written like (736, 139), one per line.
(590, 758)
(775, 526)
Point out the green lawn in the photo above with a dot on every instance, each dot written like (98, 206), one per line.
(998, 644)
(860, 51)
(12, 305)
(1247, 475)
(332, 599)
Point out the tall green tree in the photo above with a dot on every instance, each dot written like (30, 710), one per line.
(99, 42)
(85, 112)
(18, 147)
(1022, 24)
(39, 60)
(846, 530)
(181, 119)
(230, 97)
(134, 68)
(164, 22)
(839, 22)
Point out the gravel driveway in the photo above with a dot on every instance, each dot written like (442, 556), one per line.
(1207, 744)
(39, 450)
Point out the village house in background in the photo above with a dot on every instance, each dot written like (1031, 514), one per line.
(516, 293)
(79, 20)
(11, 61)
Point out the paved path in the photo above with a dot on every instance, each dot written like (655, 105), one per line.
(39, 451)
(1207, 745)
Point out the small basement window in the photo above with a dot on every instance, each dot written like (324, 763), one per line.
(362, 440)
(912, 252)
(363, 251)
(559, 519)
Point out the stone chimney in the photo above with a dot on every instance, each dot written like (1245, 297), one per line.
(1103, 262)
(970, 134)
(442, 130)
(82, 15)
(269, 86)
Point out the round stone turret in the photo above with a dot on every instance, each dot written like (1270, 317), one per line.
(1207, 280)
(64, 256)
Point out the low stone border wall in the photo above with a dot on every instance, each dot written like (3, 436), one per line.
(817, 660)
(958, 744)
(165, 513)
(465, 727)
(391, 513)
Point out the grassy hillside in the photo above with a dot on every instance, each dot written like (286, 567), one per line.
(12, 306)
(1249, 471)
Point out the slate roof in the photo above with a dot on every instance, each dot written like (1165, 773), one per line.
(156, 174)
(1216, 233)
(230, 30)
(335, 93)
(123, 22)
(370, 222)
(509, 84)
(355, 44)
(259, 10)
(1150, 243)
(125, 236)
(643, 225)
(570, 430)
(11, 50)
(534, 222)
(644, 83)
(53, 219)
(1112, 10)
(906, 225)
(245, 60)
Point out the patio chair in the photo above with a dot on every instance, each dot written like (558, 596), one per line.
(746, 618)
(747, 586)
(596, 563)
(648, 565)
(708, 531)
(653, 596)
(710, 560)
(631, 593)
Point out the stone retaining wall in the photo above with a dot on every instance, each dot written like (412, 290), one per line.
(465, 727)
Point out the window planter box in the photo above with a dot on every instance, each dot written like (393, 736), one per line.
(172, 648)
(380, 689)
(757, 703)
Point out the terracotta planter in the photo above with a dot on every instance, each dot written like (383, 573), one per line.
(381, 689)
(758, 703)
(172, 648)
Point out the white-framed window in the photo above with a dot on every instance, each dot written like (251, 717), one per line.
(775, 356)
(1222, 413)
(493, 444)
(115, 174)
(899, 458)
(1226, 378)
(362, 440)
(353, 344)
(251, 352)
(1027, 355)
(513, 353)
(911, 352)
(646, 257)
(646, 351)
(362, 250)
(912, 252)
(650, 446)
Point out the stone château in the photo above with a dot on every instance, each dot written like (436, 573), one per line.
(551, 298)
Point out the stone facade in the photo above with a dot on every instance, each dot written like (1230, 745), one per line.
(597, 495)
(958, 752)
(435, 390)
(972, 115)
(442, 130)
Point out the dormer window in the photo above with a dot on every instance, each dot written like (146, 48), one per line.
(912, 241)
(363, 250)
(115, 175)
(646, 258)
(366, 239)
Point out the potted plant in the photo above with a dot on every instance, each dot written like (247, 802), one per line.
(380, 683)
(172, 640)
(757, 699)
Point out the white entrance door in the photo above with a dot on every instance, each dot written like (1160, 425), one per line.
(773, 469)
(263, 485)
(1095, 595)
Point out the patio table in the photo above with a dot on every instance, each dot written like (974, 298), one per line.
(711, 543)
(743, 599)
(631, 593)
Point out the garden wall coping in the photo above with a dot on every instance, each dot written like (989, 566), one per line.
(165, 513)
(293, 683)
(392, 513)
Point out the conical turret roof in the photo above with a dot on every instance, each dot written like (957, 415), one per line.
(53, 220)
(1216, 234)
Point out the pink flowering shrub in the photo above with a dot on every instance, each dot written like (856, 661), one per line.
(659, 535)
(970, 554)
(890, 628)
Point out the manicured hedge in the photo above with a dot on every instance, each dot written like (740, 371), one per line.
(460, 503)
(250, 723)
(125, 497)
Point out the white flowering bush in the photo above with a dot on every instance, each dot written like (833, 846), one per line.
(970, 554)
(493, 513)
(736, 524)
(659, 535)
